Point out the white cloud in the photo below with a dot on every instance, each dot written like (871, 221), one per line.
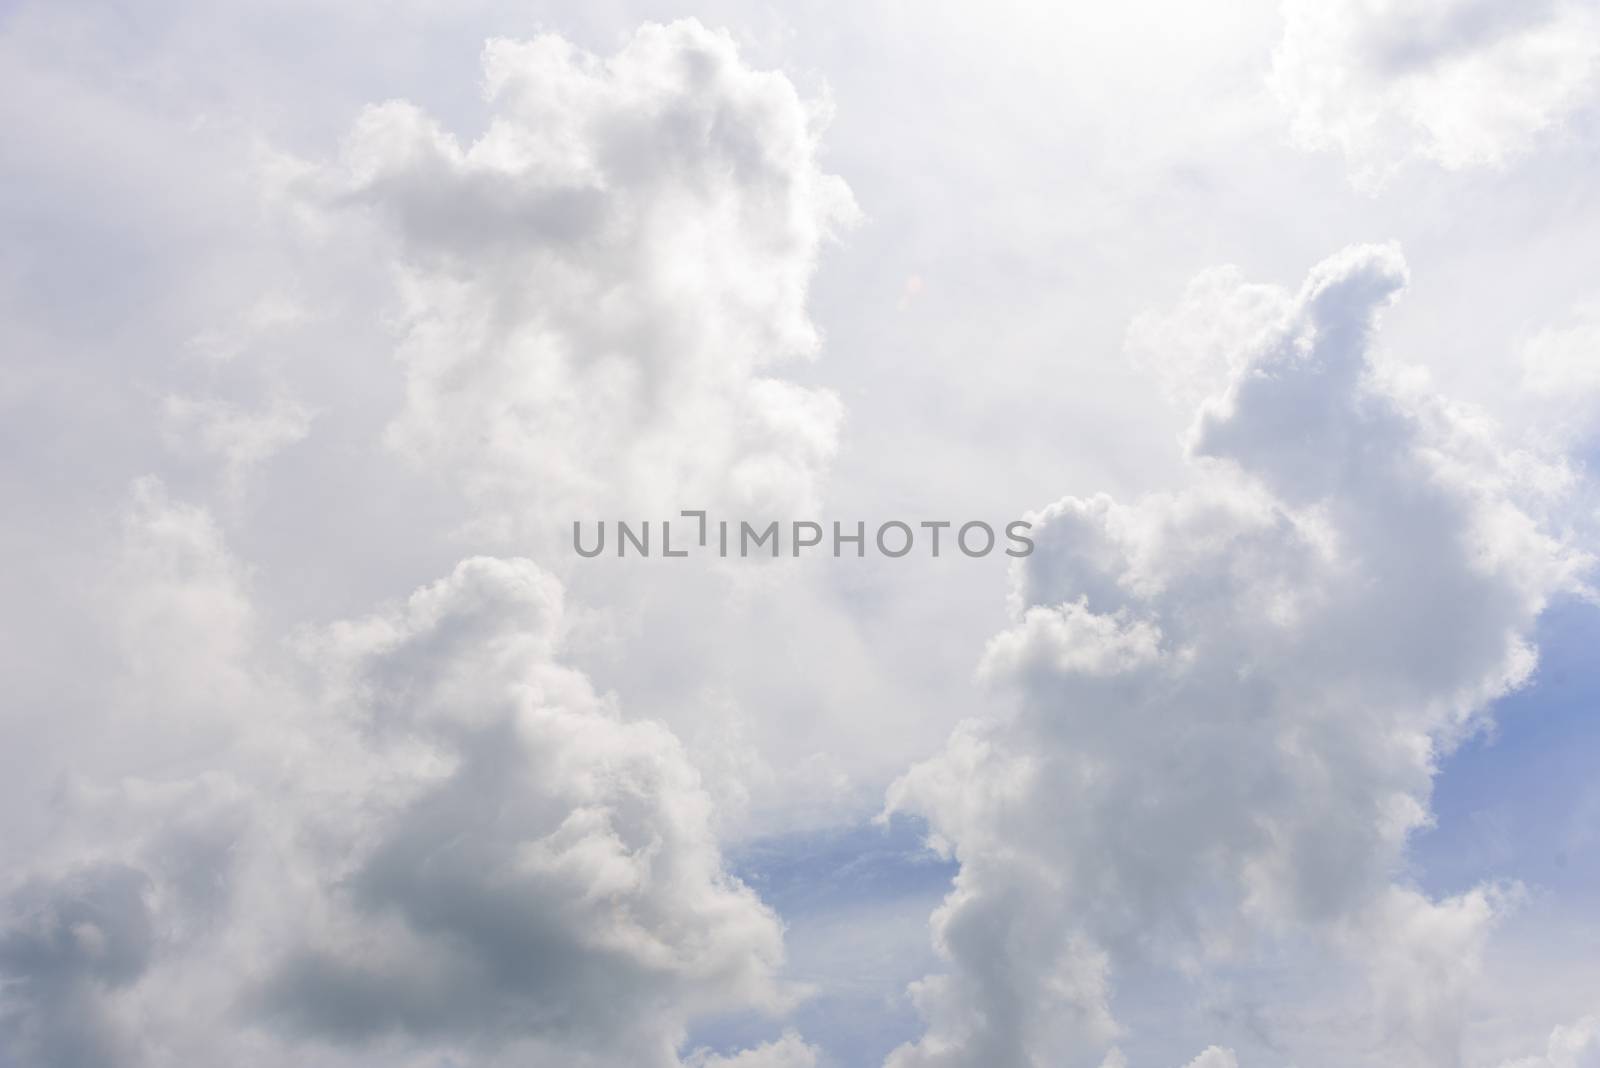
(1463, 83)
(598, 297)
(787, 1052)
(1230, 702)
(1070, 638)
(239, 437)
(1561, 360)
(596, 290)
(1215, 1057)
(1571, 1046)
(1561, 378)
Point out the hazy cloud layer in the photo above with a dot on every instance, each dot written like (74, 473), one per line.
(1561, 379)
(1463, 83)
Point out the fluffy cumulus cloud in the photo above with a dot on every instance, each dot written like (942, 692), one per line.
(1463, 83)
(418, 836)
(544, 871)
(1226, 705)
(548, 875)
(435, 842)
(597, 288)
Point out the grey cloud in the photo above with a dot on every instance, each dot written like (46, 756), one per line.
(91, 925)
(434, 832)
(66, 944)
(558, 880)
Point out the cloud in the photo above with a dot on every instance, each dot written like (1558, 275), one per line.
(65, 946)
(551, 875)
(1562, 360)
(1561, 378)
(1571, 1046)
(787, 1052)
(423, 836)
(596, 290)
(240, 438)
(416, 825)
(420, 835)
(1225, 706)
(1462, 83)
(1215, 1057)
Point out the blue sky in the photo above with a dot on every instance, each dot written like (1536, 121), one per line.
(1519, 801)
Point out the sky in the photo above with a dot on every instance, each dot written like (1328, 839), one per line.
(322, 325)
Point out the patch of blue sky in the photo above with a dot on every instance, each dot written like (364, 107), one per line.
(855, 902)
(1522, 799)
